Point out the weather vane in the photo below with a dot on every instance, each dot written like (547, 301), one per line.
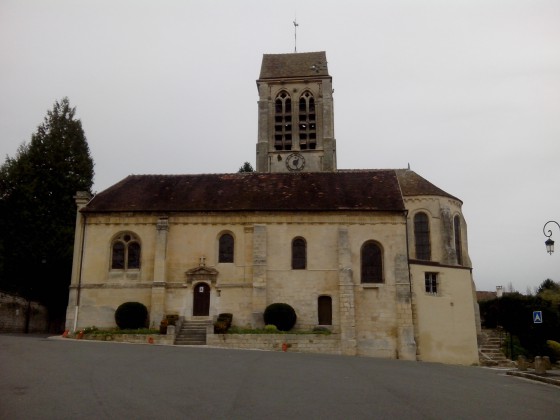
(295, 34)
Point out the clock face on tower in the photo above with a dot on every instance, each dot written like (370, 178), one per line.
(295, 162)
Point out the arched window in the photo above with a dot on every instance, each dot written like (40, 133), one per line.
(283, 121)
(299, 254)
(125, 252)
(371, 263)
(307, 122)
(458, 242)
(422, 237)
(226, 248)
(324, 310)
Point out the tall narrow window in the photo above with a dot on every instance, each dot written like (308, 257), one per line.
(125, 252)
(422, 237)
(324, 310)
(118, 255)
(226, 248)
(283, 122)
(299, 254)
(371, 263)
(430, 281)
(307, 122)
(458, 241)
(133, 257)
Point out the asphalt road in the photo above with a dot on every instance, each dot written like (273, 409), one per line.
(43, 378)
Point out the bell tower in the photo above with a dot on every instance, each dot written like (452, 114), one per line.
(296, 124)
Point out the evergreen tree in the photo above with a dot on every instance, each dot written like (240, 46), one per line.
(550, 291)
(548, 284)
(37, 208)
(247, 167)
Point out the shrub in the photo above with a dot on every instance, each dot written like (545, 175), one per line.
(172, 319)
(554, 349)
(220, 327)
(90, 330)
(163, 326)
(131, 315)
(270, 328)
(282, 315)
(223, 323)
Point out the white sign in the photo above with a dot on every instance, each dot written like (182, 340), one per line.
(537, 317)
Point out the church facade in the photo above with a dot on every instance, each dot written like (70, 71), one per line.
(380, 257)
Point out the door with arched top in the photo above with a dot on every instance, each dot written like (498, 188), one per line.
(201, 299)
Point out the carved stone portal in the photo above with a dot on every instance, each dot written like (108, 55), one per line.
(202, 273)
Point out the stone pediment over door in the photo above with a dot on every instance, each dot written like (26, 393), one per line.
(202, 273)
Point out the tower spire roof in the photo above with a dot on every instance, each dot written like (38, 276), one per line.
(294, 65)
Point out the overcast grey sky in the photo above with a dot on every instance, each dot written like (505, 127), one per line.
(466, 91)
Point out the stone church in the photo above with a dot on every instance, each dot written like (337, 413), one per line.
(380, 257)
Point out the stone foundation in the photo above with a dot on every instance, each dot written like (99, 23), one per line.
(301, 343)
(133, 338)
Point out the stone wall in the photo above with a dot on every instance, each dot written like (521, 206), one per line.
(16, 312)
(301, 343)
(132, 338)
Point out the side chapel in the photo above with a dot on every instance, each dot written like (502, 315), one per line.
(378, 256)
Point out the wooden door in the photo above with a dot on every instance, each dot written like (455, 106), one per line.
(201, 299)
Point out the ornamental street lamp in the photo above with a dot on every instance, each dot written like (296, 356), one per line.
(548, 233)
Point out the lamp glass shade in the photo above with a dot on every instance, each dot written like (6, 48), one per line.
(549, 246)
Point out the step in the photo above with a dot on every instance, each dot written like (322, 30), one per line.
(192, 333)
(488, 349)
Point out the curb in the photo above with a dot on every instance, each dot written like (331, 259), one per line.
(534, 377)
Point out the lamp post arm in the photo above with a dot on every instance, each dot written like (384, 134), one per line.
(548, 233)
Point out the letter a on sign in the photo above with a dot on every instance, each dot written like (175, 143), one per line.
(537, 317)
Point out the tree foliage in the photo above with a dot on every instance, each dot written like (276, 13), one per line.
(514, 312)
(548, 285)
(37, 208)
(247, 167)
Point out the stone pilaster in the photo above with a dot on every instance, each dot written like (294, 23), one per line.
(346, 295)
(81, 198)
(157, 310)
(406, 344)
(259, 273)
(448, 253)
(263, 130)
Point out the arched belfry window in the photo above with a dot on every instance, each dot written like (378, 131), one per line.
(283, 121)
(458, 240)
(125, 252)
(422, 237)
(299, 254)
(371, 263)
(307, 123)
(226, 248)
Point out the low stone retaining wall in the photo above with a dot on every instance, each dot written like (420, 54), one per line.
(131, 338)
(302, 343)
(16, 313)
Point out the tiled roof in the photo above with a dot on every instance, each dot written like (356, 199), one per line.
(482, 296)
(413, 184)
(276, 66)
(375, 190)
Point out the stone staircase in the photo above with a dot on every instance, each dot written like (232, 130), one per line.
(192, 333)
(490, 349)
